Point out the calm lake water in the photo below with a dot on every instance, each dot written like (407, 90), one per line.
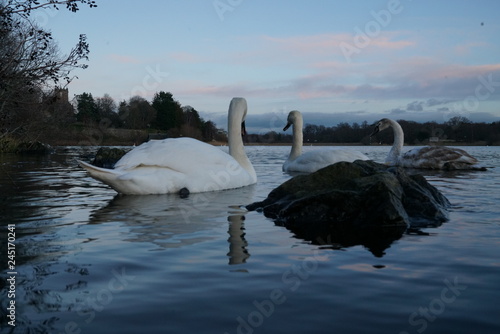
(89, 261)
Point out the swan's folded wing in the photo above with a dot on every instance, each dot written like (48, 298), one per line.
(98, 172)
(181, 154)
(330, 156)
(436, 156)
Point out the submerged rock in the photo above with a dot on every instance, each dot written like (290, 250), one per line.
(106, 157)
(355, 203)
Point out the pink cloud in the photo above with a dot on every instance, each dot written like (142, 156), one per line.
(385, 42)
(330, 43)
(185, 57)
(306, 44)
(428, 69)
(466, 49)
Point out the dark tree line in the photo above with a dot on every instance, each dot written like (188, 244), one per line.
(163, 114)
(457, 129)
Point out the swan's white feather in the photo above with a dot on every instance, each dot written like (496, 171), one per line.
(167, 166)
(178, 154)
(309, 162)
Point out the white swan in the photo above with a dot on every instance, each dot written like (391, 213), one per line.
(427, 157)
(311, 161)
(169, 165)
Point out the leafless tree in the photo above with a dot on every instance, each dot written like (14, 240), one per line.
(30, 60)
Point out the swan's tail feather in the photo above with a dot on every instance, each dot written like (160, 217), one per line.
(104, 175)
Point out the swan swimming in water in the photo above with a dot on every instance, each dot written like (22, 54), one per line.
(171, 165)
(311, 161)
(427, 157)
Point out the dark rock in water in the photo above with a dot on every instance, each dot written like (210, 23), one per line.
(106, 157)
(355, 203)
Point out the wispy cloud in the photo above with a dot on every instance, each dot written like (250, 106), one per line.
(468, 48)
(410, 79)
(186, 57)
(124, 59)
(433, 82)
(328, 44)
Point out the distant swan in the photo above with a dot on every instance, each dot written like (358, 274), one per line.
(169, 165)
(428, 157)
(311, 161)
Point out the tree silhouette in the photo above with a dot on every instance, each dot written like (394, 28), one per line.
(87, 109)
(30, 60)
(169, 114)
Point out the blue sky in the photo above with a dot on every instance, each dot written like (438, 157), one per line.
(336, 61)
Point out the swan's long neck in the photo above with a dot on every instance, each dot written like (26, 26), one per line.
(397, 146)
(296, 150)
(235, 143)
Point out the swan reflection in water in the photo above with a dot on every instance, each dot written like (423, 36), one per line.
(169, 221)
(238, 252)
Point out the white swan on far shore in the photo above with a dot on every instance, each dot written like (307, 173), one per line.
(169, 165)
(427, 157)
(311, 161)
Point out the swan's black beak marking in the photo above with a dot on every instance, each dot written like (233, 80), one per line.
(287, 126)
(243, 129)
(375, 130)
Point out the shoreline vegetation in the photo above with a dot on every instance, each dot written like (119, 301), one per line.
(101, 122)
(130, 137)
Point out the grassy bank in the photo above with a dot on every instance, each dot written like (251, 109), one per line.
(88, 136)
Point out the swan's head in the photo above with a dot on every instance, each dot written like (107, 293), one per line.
(293, 116)
(381, 125)
(238, 111)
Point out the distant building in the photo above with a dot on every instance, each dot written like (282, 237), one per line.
(61, 95)
(58, 106)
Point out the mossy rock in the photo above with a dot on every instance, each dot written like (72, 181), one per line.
(106, 157)
(360, 202)
(10, 145)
